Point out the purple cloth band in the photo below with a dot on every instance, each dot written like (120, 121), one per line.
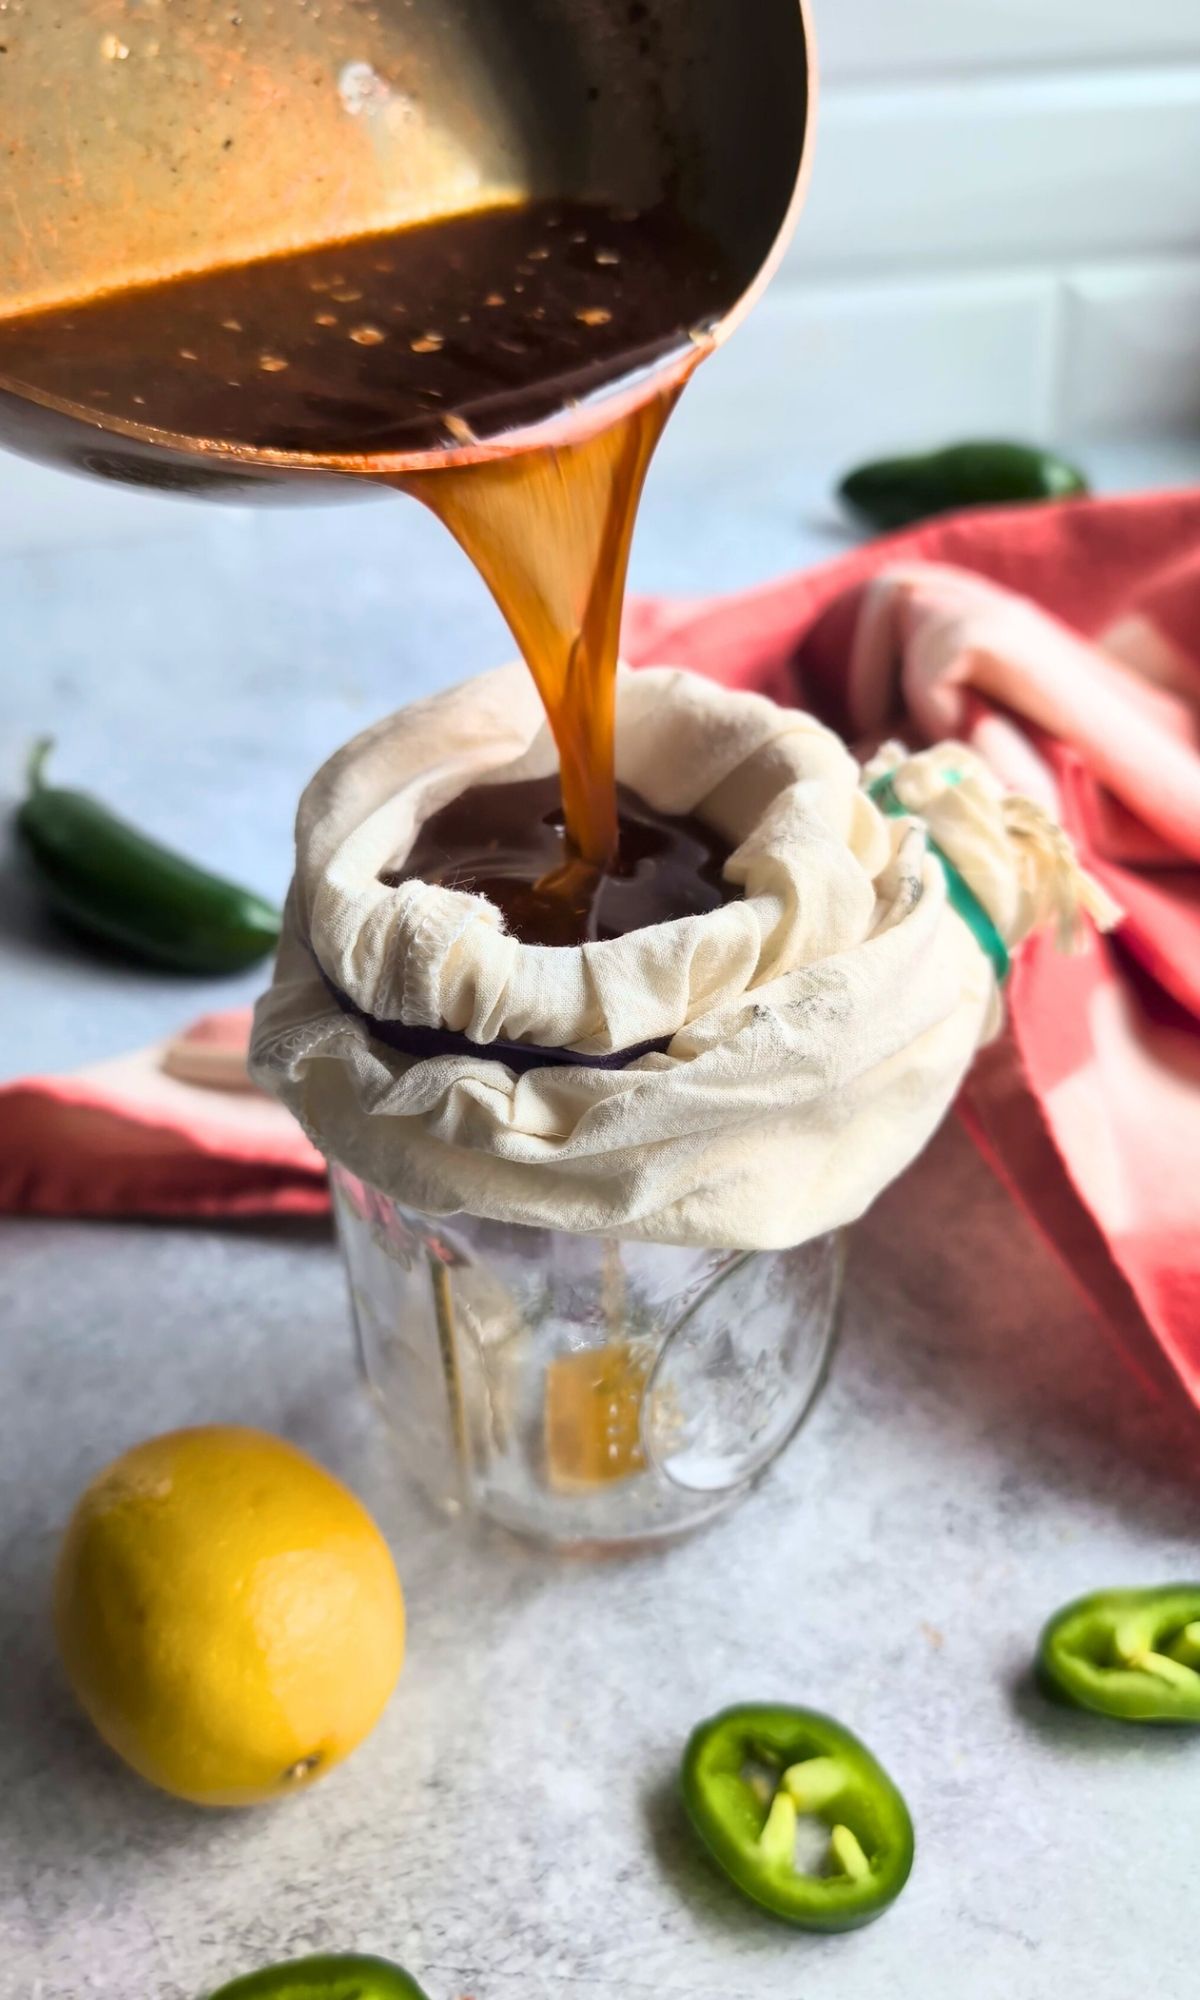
(423, 1043)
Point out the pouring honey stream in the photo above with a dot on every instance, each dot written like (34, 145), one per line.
(429, 338)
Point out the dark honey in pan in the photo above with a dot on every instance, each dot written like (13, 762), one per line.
(435, 338)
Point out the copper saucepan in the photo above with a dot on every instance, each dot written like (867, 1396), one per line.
(146, 139)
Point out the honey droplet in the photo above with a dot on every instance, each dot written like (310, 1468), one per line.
(368, 336)
(428, 343)
(593, 316)
(271, 364)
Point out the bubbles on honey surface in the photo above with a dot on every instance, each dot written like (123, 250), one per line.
(113, 49)
(502, 346)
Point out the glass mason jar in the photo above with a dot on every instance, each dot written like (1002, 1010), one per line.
(587, 1392)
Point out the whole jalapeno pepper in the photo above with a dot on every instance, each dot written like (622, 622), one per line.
(1130, 1654)
(799, 1815)
(895, 492)
(113, 882)
(331, 1976)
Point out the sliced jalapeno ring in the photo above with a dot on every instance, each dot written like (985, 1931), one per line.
(330, 1976)
(799, 1815)
(1130, 1654)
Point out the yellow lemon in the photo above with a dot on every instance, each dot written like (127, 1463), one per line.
(228, 1613)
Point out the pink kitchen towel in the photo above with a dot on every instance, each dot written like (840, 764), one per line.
(176, 1129)
(1064, 644)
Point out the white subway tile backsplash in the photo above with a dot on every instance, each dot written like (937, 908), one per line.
(879, 38)
(843, 372)
(1130, 354)
(1051, 167)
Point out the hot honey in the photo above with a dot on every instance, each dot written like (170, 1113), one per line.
(429, 339)
(506, 842)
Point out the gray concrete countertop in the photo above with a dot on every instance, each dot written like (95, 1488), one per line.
(980, 1454)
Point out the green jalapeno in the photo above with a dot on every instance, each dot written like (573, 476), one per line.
(799, 1815)
(1130, 1654)
(111, 881)
(894, 492)
(334, 1976)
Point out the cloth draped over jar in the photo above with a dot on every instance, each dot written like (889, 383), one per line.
(749, 1078)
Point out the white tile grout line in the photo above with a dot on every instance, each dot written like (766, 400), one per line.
(998, 79)
(1057, 359)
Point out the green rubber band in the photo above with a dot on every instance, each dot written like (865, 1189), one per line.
(961, 897)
